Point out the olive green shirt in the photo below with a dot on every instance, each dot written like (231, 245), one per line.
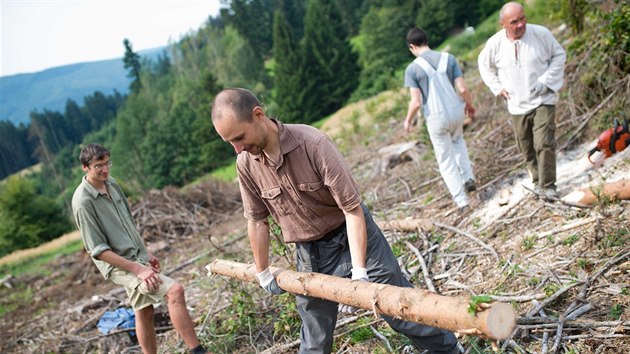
(107, 224)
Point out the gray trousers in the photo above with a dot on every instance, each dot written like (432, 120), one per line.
(535, 136)
(332, 257)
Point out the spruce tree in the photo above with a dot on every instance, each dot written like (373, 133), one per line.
(132, 64)
(328, 63)
(436, 18)
(287, 69)
(382, 50)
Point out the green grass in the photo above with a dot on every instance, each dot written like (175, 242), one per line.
(21, 294)
(570, 240)
(615, 312)
(528, 242)
(39, 264)
(226, 173)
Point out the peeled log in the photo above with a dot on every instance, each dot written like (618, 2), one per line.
(406, 224)
(615, 191)
(495, 322)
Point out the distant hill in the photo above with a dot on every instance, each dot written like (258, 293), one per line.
(50, 89)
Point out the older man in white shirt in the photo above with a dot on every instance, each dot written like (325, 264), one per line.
(524, 64)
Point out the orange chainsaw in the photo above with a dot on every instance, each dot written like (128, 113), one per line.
(612, 140)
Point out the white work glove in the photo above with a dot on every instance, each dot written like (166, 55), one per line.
(357, 274)
(268, 282)
(538, 89)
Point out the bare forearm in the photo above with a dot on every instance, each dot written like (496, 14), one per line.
(258, 234)
(413, 108)
(120, 262)
(463, 91)
(357, 236)
(412, 111)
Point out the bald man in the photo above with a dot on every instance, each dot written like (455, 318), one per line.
(524, 64)
(296, 174)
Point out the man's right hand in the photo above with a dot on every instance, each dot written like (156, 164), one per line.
(409, 124)
(150, 277)
(268, 282)
(504, 94)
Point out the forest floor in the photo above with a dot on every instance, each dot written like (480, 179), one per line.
(573, 262)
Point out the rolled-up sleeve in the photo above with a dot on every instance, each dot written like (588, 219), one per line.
(94, 239)
(336, 175)
(254, 208)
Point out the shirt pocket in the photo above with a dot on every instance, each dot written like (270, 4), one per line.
(276, 200)
(315, 194)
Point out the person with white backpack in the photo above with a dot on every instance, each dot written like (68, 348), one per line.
(432, 79)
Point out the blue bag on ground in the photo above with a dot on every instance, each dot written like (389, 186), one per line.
(120, 318)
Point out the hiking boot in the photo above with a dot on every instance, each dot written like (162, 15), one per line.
(470, 186)
(550, 194)
(538, 190)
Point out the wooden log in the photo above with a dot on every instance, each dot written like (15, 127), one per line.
(494, 320)
(589, 196)
(406, 224)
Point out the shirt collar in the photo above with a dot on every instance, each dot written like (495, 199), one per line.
(90, 188)
(287, 143)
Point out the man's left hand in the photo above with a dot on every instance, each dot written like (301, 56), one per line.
(154, 262)
(357, 274)
(538, 89)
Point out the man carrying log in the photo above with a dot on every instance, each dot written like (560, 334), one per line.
(297, 175)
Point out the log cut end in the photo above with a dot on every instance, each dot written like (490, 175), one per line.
(501, 320)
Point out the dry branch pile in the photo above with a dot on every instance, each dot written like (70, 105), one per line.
(171, 214)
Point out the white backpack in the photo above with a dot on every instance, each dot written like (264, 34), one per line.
(443, 103)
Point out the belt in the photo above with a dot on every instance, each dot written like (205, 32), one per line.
(331, 234)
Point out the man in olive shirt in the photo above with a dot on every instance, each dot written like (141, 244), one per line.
(109, 234)
(297, 175)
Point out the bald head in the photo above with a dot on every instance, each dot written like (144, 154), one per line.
(237, 101)
(513, 20)
(510, 8)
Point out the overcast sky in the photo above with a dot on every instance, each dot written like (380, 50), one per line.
(40, 34)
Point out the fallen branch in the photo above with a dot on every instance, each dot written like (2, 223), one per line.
(492, 320)
(423, 265)
(586, 118)
(552, 298)
(522, 298)
(548, 322)
(566, 227)
(427, 224)
(383, 338)
(478, 241)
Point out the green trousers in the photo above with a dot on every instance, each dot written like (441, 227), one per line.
(535, 136)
